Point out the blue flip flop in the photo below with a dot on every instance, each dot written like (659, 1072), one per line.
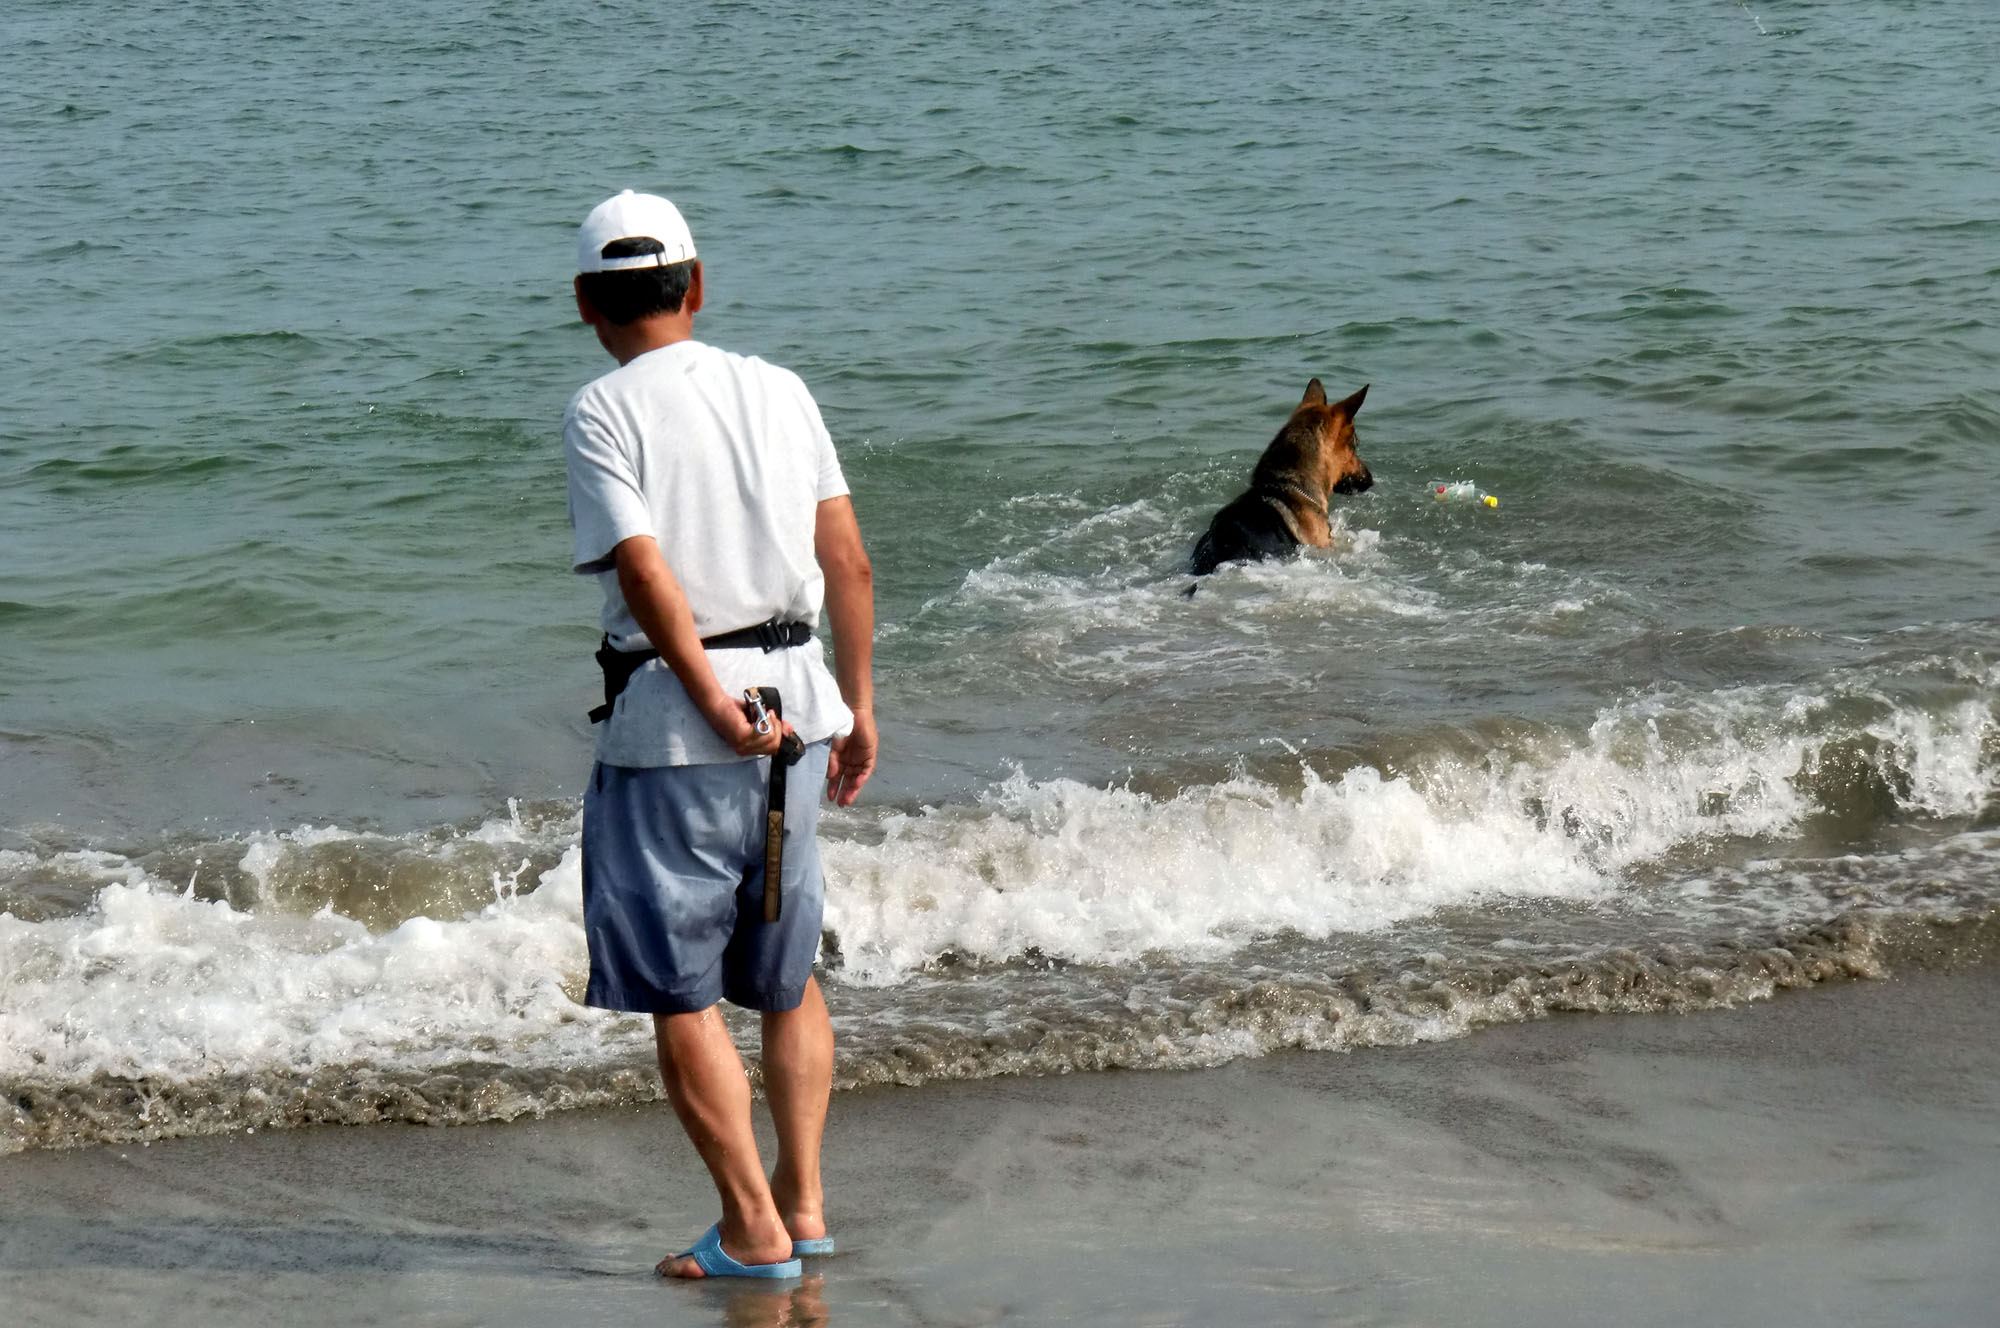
(712, 1259)
(812, 1245)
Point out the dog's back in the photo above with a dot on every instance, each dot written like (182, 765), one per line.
(1249, 528)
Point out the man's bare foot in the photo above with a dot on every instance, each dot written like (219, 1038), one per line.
(767, 1247)
(804, 1213)
(806, 1225)
(679, 1265)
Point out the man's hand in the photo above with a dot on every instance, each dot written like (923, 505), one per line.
(730, 718)
(851, 761)
(850, 604)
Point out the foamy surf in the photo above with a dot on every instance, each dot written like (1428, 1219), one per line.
(1661, 857)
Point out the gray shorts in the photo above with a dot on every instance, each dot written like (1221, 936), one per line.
(673, 886)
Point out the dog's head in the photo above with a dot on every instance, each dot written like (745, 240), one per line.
(1316, 446)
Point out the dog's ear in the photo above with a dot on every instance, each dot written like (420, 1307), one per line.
(1315, 394)
(1353, 403)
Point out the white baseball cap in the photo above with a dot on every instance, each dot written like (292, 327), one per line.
(631, 216)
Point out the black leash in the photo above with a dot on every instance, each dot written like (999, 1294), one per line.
(768, 709)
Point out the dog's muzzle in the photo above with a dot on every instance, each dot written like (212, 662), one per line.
(1355, 483)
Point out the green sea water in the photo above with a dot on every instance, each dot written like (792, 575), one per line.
(1703, 293)
(1705, 297)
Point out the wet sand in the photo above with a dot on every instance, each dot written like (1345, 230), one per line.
(1828, 1157)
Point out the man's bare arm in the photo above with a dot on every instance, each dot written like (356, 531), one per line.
(850, 607)
(661, 606)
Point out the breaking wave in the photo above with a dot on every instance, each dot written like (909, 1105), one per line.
(1683, 850)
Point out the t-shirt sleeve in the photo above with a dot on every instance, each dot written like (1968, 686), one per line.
(830, 483)
(606, 505)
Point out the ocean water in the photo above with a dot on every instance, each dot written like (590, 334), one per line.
(292, 673)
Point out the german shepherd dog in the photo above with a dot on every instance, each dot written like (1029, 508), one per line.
(1310, 460)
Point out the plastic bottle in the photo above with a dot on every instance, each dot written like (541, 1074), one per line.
(1461, 491)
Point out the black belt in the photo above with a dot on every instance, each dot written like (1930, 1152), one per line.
(620, 665)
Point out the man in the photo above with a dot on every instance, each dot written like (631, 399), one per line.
(706, 497)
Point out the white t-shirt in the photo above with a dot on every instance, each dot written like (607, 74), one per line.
(722, 459)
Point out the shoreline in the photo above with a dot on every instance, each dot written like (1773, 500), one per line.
(1826, 1156)
(1404, 1004)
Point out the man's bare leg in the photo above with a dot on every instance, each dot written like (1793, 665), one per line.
(798, 1080)
(706, 1084)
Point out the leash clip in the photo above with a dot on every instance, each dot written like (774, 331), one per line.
(760, 716)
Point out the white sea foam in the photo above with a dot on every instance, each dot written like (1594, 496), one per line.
(152, 981)
(1107, 875)
(1089, 601)
(1096, 596)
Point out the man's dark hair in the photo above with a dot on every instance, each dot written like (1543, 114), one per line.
(632, 293)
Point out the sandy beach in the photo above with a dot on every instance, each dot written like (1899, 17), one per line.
(1828, 1157)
